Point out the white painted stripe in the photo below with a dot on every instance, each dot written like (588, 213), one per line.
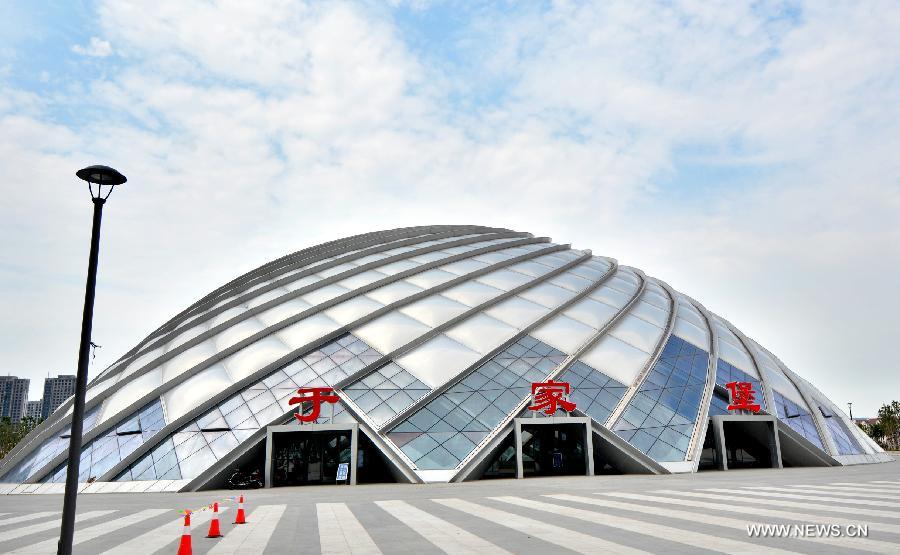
(49, 525)
(254, 536)
(165, 535)
(868, 485)
(92, 532)
(447, 537)
(26, 518)
(878, 493)
(741, 524)
(563, 537)
(819, 498)
(340, 532)
(644, 528)
(850, 497)
(885, 482)
(782, 503)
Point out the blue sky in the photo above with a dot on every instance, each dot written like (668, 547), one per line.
(743, 152)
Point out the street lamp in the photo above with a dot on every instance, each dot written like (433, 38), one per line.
(100, 176)
(850, 406)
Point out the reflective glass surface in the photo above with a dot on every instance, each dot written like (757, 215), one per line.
(594, 393)
(386, 392)
(48, 449)
(843, 439)
(660, 417)
(207, 439)
(797, 418)
(447, 429)
(104, 452)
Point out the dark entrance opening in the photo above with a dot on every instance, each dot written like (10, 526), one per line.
(553, 450)
(503, 463)
(709, 455)
(306, 458)
(371, 466)
(603, 462)
(749, 444)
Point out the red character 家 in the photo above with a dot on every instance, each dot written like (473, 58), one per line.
(742, 396)
(547, 395)
(314, 395)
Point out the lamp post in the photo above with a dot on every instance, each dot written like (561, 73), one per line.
(850, 406)
(100, 176)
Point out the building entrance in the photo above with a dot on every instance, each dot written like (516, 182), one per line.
(553, 447)
(306, 458)
(553, 450)
(741, 441)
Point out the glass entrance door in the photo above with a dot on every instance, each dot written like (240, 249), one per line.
(553, 449)
(307, 458)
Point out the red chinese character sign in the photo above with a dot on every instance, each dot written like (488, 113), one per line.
(550, 395)
(742, 396)
(316, 396)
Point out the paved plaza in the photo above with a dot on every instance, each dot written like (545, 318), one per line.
(693, 513)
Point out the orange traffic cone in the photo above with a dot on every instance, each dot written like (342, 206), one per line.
(214, 523)
(184, 548)
(239, 518)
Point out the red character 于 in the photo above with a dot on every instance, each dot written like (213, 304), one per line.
(314, 395)
(547, 395)
(742, 396)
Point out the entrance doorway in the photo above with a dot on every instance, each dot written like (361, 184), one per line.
(741, 441)
(553, 447)
(306, 458)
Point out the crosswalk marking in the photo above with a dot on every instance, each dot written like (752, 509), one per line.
(852, 490)
(254, 536)
(783, 503)
(805, 497)
(91, 532)
(447, 537)
(886, 482)
(340, 532)
(869, 485)
(740, 524)
(26, 518)
(49, 525)
(161, 537)
(677, 535)
(847, 497)
(564, 537)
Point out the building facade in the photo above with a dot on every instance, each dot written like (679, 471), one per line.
(428, 344)
(56, 391)
(33, 409)
(13, 396)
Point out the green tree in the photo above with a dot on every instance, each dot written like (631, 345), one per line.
(11, 433)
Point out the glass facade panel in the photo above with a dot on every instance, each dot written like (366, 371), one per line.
(444, 432)
(211, 436)
(843, 439)
(660, 418)
(390, 388)
(594, 393)
(104, 452)
(797, 418)
(48, 449)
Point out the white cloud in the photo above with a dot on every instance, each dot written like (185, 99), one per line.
(96, 48)
(249, 133)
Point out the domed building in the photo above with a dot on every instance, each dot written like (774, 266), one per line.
(438, 343)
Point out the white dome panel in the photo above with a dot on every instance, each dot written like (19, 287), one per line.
(391, 331)
(564, 333)
(434, 310)
(481, 333)
(353, 309)
(617, 359)
(438, 360)
(282, 312)
(517, 312)
(591, 312)
(191, 393)
(254, 357)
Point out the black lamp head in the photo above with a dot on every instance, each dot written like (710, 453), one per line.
(101, 175)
